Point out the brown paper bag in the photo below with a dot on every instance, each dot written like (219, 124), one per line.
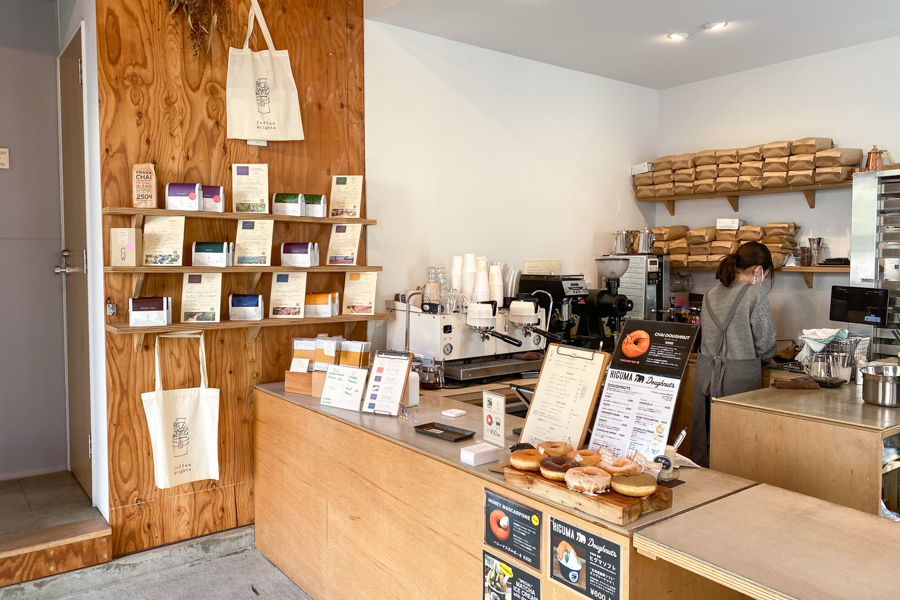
(774, 180)
(660, 248)
(811, 145)
(780, 248)
(727, 235)
(750, 183)
(704, 186)
(778, 259)
(706, 172)
(664, 189)
(750, 154)
(683, 161)
(682, 175)
(726, 156)
(776, 165)
(684, 188)
(697, 261)
(701, 235)
(776, 149)
(678, 246)
(801, 162)
(664, 176)
(713, 260)
(753, 167)
(672, 232)
(783, 228)
(832, 174)
(707, 157)
(801, 177)
(646, 191)
(726, 184)
(718, 247)
(644, 178)
(663, 163)
(730, 170)
(751, 233)
(678, 261)
(839, 157)
(787, 240)
(143, 186)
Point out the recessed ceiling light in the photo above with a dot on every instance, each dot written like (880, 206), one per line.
(717, 25)
(679, 36)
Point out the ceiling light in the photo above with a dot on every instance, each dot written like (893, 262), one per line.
(717, 25)
(679, 36)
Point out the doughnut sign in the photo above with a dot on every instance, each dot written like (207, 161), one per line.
(584, 561)
(513, 528)
(507, 582)
(494, 409)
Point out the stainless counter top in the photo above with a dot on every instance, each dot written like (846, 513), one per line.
(699, 486)
(843, 405)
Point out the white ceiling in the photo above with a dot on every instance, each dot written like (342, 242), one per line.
(626, 39)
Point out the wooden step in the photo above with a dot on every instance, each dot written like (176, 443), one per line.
(51, 550)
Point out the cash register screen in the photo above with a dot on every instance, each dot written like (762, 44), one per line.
(866, 306)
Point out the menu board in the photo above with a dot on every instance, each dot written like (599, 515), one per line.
(584, 562)
(642, 385)
(564, 396)
(514, 528)
(507, 582)
(387, 382)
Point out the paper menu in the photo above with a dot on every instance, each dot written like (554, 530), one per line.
(564, 396)
(359, 293)
(494, 418)
(201, 298)
(344, 387)
(387, 382)
(288, 295)
(250, 188)
(253, 244)
(346, 195)
(163, 241)
(343, 246)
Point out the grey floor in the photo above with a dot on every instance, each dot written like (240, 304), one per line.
(43, 501)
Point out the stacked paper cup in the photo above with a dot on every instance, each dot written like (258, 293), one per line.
(495, 282)
(456, 273)
(468, 274)
(482, 290)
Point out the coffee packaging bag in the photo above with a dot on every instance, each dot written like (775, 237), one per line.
(701, 235)
(669, 233)
(774, 180)
(780, 248)
(782, 229)
(660, 248)
(811, 145)
(663, 163)
(787, 240)
(776, 165)
(718, 247)
(713, 260)
(726, 156)
(801, 162)
(682, 175)
(730, 170)
(701, 249)
(706, 172)
(646, 191)
(664, 176)
(678, 246)
(750, 183)
(683, 161)
(776, 149)
(683, 188)
(778, 259)
(832, 174)
(678, 261)
(644, 178)
(143, 186)
(728, 235)
(726, 184)
(697, 261)
(751, 233)
(664, 189)
(806, 177)
(753, 167)
(707, 157)
(705, 186)
(839, 157)
(750, 154)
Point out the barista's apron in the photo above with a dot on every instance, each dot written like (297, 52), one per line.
(718, 377)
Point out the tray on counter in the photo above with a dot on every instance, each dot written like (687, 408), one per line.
(610, 506)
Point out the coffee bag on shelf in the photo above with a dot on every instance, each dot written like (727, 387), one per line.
(730, 170)
(811, 145)
(684, 188)
(780, 248)
(706, 157)
(806, 177)
(718, 247)
(706, 172)
(726, 184)
(728, 235)
(753, 167)
(682, 175)
(778, 259)
(701, 235)
(663, 163)
(776, 149)
(713, 260)
(750, 183)
(751, 233)
(143, 186)
(726, 156)
(774, 180)
(801, 162)
(679, 246)
(782, 228)
(705, 186)
(832, 174)
(702, 249)
(839, 157)
(776, 165)
(660, 248)
(645, 191)
(663, 176)
(786, 240)
(697, 261)
(682, 161)
(678, 261)
(749, 154)
(669, 233)
(664, 189)
(644, 178)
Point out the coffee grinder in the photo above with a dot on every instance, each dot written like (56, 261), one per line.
(615, 304)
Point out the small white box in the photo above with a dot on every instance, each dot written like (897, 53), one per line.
(730, 224)
(644, 167)
(479, 454)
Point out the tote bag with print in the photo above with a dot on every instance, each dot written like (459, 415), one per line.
(261, 98)
(184, 426)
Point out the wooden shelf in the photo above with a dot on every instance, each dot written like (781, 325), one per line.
(807, 272)
(253, 269)
(809, 192)
(126, 211)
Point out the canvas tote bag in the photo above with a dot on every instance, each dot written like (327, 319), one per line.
(184, 426)
(261, 98)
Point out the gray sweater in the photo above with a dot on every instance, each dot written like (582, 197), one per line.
(751, 333)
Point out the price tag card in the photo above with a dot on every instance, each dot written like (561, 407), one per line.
(300, 365)
(494, 418)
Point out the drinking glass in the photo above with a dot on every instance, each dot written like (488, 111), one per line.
(443, 279)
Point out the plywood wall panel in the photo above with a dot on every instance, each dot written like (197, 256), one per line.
(159, 103)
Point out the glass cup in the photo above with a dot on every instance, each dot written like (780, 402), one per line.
(805, 256)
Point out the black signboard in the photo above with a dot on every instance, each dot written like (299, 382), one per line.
(513, 528)
(584, 562)
(503, 581)
(654, 348)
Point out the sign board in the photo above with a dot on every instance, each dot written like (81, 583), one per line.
(494, 419)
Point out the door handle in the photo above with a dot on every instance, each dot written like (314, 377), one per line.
(66, 270)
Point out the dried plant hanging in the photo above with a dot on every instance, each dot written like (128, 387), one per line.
(203, 17)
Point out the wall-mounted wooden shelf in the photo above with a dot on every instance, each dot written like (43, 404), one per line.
(809, 192)
(126, 211)
(253, 269)
(808, 273)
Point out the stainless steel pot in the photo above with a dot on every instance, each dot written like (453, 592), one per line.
(881, 386)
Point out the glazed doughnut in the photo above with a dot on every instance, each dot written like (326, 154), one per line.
(555, 448)
(636, 485)
(587, 479)
(585, 458)
(636, 343)
(555, 467)
(526, 460)
(561, 550)
(619, 465)
(500, 525)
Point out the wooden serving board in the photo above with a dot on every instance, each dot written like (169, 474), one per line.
(609, 506)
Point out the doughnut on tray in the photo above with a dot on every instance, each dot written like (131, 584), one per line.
(609, 506)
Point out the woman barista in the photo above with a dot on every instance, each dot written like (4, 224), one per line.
(738, 336)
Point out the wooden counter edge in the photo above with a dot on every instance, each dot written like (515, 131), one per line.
(741, 405)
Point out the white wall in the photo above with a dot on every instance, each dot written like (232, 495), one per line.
(470, 150)
(71, 15)
(845, 95)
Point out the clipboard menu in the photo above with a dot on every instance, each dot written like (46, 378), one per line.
(387, 382)
(565, 395)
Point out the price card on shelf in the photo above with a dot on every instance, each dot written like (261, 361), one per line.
(494, 420)
(300, 365)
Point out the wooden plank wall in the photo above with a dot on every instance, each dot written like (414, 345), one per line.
(159, 103)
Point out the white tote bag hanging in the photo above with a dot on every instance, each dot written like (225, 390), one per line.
(184, 426)
(261, 98)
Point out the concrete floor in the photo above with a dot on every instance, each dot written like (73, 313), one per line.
(43, 501)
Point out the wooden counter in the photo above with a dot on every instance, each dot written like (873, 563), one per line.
(355, 505)
(822, 443)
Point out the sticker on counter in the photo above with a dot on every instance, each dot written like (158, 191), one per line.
(506, 582)
(513, 528)
(584, 562)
